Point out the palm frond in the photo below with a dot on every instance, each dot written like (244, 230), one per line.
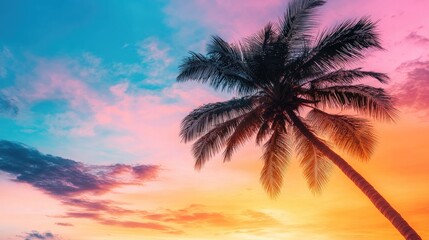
(366, 100)
(263, 57)
(342, 77)
(212, 142)
(263, 132)
(276, 156)
(247, 127)
(228, 52)
(316, 166)
(204, 118)
(298, 19)
(261, 41)
(354, 135)
(215, 72)
(343, 44)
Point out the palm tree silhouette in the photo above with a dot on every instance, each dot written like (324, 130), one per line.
(280, 74)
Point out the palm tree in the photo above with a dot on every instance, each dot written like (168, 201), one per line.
(279, 75)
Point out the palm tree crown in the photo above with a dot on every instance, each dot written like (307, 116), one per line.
(287, 82)
(281, 70)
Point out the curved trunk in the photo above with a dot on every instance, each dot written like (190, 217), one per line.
(379, 201)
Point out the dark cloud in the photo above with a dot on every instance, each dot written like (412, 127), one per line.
(416, 38)
(34, 235)
(63, 177)
(413, 93)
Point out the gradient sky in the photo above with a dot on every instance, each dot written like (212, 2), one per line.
(90, 114)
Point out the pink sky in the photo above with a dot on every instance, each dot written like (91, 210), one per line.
(223, 201)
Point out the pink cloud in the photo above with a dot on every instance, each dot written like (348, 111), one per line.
(417, 38)
(413, 92)
(149, 122)
(120, 117)
(54, 79)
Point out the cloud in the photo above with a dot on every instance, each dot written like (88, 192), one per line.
(156, 60)
(34, 235)
(416, 38)
(197, 216)
(96, 206)
(413, 92)
(111, 219)
(194, 217)
(7, 106)
(123, 121)
(64, 177)
(64, 224)
(74, 184)
(5, 57)
(135, 224)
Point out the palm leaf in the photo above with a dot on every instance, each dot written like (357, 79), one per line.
(213, 71)
(367, 100)
(354, 135)
(247, 127)
(342, 44)
(276, 156)
(204, 118)
(343, 77)
(263, 132)
(316, 166)
(298, 19)
(212, 142)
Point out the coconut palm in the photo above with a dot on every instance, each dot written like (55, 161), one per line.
(279, 75)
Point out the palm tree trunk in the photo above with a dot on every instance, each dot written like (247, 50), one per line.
(379, 201)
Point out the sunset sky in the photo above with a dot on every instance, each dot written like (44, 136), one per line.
(90, 114)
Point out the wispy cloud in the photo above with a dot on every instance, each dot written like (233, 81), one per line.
(417, 38)
(5, 56)
(173, 221)
(199, 215)
(64, 224)
(156, 60)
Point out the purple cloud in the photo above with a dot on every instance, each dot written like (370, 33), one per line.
(64, 177)
(417, 38)
(413, 93)
(73, 183)
(34, 235)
